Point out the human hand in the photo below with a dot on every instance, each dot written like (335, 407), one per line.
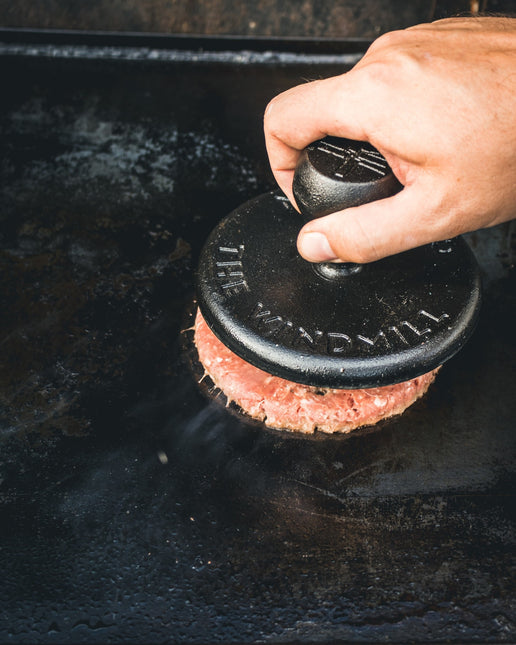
(439, 102)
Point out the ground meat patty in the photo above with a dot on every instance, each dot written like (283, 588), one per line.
(290, 406)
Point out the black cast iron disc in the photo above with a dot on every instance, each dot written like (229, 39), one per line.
(393, 320)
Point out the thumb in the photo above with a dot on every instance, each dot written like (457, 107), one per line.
(372, 231)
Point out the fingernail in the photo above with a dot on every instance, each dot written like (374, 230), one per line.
(316, 248)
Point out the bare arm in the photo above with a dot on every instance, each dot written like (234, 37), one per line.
(439, 102)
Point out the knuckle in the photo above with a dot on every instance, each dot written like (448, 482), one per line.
(388, 40)
(277, 108)
(268, 116)
(392, 53)
(378, 73)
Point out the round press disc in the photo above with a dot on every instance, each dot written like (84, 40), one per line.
(393, 320)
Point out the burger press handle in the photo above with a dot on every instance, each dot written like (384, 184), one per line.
(333, 174)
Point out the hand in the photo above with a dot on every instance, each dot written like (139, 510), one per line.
(439, 102)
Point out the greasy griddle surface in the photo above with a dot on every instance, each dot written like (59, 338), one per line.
(133, 507)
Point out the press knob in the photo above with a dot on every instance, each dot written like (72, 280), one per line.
(333, 174)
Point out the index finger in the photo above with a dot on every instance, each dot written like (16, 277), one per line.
(304, 114)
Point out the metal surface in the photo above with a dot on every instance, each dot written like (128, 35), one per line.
(316, 18)
(133, 509)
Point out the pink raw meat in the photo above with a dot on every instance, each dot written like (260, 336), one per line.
(302, 408)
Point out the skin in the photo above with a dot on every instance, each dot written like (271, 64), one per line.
(439, 102)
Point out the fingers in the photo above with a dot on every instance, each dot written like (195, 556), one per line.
(423, 97)
(339, 106)
(375, 230)
(306, 113)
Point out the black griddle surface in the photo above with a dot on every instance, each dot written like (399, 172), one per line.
(134, 508)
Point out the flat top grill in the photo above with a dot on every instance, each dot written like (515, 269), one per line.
(135, 508)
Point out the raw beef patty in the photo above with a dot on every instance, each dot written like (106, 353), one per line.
(302, 408)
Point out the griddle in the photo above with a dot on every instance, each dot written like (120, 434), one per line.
(134, 507)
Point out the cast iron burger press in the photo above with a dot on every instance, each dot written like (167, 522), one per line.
(334, 325)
